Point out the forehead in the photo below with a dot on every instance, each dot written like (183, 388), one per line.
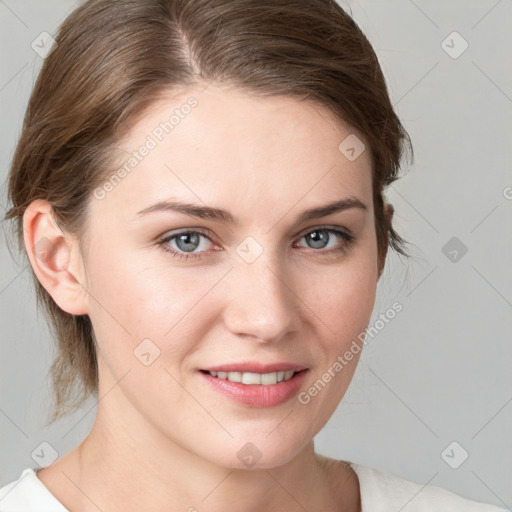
(224, 145)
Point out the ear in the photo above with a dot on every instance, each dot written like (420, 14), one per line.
(55, 258)
(388, 214)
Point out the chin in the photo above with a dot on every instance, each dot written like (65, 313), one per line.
(257, 452)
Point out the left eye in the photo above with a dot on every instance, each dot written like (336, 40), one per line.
(319, 236)
(187, 241)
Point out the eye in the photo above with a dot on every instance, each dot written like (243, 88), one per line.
(321, 237)
(186, 242)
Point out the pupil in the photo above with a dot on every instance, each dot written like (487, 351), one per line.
(188, 245)
(318, 238)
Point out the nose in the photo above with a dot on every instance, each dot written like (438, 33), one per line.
(262, 301)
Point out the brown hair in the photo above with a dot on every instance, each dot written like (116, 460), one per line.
(113, 58)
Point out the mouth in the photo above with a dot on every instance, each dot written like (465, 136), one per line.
(253, 378)
(254, 385)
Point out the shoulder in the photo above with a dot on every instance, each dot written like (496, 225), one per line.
(28, 494)
(382, 492)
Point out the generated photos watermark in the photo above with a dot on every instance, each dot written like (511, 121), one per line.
(154, 138)
(305, 397)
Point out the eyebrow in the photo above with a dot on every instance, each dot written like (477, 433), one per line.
(217, 214)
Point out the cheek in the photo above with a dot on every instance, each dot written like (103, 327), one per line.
(343, 297)
(141, 299)
(342, 304)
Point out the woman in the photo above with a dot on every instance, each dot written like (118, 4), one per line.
(199, 189)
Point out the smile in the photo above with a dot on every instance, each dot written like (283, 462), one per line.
(253, 389)
(251, 378)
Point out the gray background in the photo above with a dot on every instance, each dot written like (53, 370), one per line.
(441, 370)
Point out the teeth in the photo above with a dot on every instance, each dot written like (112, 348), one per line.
(269, 378)
(234, 376)
(248, 378)
(254, 378)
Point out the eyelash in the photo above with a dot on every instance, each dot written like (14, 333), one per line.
(348, 238)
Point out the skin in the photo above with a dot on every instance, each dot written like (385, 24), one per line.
(162, 439)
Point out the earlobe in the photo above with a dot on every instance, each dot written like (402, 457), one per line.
(388, 212)
(54, 257)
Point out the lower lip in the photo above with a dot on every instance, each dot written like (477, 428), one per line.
(257, 395)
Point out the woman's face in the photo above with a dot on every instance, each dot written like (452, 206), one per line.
(267, 288)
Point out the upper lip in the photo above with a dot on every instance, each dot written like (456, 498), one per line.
(255, 367)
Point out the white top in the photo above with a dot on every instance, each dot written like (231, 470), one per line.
(380, 492)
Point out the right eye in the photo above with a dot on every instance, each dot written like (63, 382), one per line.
(186, 242)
